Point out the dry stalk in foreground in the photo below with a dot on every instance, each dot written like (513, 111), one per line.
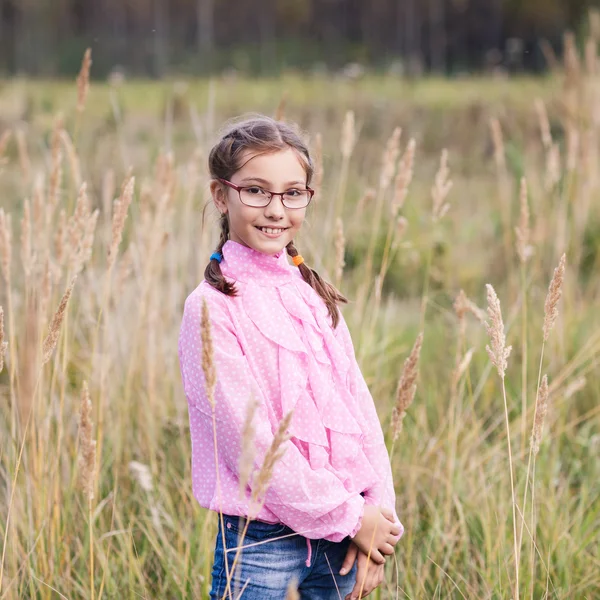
(348, 135)
(208, 367)
(540, 414)
(83, 80)
(246, 461)
(87, 445)
(340, 246)
(441, 188)
(390, 156)
(522, 231)
(403, 178)
(407, 387)
(274, 453)
(318, 160)
(554, 293)
(292, 590)
(50, 341)
(5, 245)
(499, 354)
(3, 344)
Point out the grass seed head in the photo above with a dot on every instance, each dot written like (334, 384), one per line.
(553, 296)
(497, 350)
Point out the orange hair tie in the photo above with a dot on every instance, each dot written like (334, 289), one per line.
(298, 260)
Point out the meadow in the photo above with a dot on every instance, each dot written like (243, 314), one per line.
(424, 188)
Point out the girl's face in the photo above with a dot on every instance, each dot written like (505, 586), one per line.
(276, 172)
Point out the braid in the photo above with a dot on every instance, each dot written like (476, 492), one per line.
(212, 273)
(330, 295)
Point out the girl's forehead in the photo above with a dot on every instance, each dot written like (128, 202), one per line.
(283, 162)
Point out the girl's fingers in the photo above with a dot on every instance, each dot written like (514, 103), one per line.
(361, 573)
(388, 514)
(387, 548)
(349, 559)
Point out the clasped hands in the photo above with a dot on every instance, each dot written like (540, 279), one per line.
(377, 533)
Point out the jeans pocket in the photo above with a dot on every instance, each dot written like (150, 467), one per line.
(257, 530)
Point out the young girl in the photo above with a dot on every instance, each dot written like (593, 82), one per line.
(279, 338)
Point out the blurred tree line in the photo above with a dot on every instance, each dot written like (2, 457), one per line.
(152, 37)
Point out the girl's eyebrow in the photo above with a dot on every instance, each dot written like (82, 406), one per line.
(268, 183)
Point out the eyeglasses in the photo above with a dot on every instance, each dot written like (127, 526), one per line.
(258, 197)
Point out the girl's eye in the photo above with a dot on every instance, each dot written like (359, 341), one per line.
(293, 193)
(255, 190)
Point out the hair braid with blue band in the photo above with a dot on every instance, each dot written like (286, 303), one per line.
(217, 256)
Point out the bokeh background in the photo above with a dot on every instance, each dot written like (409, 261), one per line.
(267, 37)
(456, 145)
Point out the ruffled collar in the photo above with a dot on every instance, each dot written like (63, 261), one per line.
(246, 264)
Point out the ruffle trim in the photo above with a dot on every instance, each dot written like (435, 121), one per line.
(327, 416)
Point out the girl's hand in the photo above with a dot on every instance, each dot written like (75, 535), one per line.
(369, 575)
(381, 521)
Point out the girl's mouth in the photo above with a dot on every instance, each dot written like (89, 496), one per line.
(272, 232)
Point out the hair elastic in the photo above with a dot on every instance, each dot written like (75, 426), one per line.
(217, 256)
(297, 260)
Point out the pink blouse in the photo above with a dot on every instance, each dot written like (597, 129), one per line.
(274, 341)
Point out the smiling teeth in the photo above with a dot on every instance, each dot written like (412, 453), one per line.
(270, 230)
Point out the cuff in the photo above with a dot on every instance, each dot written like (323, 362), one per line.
(358, 525)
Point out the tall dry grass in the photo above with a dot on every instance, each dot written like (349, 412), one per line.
(496, 478)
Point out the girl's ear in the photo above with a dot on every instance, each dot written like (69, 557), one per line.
(218, 196)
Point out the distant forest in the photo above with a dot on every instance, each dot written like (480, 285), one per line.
(158, 37)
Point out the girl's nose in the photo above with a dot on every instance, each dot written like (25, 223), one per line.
(275, 208)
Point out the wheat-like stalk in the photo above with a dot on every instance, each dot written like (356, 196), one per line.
(403, 178)
(273, 455)
(72, 158)
(441, 188)
(120, 208)
(497, 350)
(4, 139)
(292, 590)
(24, 160)
(499, 353)
(208, 366)
(87, 445)
(348, 135)
(498, 140)
(389, 159)
(405, 392)
(540, 414)
(522, 231)
(246, 461)
(83, 80)
(553, 168)
(317, 183)
(540, 109)
(50, 341)
(26, 239)
(552, 298)
(340, 247)
(365, 200)
(3, 344)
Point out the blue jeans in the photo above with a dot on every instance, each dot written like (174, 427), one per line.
(266, 565)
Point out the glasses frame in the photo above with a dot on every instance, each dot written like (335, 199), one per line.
(239, 188)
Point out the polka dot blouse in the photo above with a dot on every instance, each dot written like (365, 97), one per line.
(274, 342)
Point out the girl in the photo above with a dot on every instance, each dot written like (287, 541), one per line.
(279, 338)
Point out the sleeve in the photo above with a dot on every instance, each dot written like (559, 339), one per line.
(375, 448)
(313, 503)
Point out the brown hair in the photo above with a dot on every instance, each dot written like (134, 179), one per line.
(265, 135)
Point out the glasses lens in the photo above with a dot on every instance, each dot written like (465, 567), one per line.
(296, 198)
(254, 196)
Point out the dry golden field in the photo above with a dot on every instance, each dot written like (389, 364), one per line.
(425, 188)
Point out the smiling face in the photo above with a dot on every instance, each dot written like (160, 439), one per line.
(271, 228)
